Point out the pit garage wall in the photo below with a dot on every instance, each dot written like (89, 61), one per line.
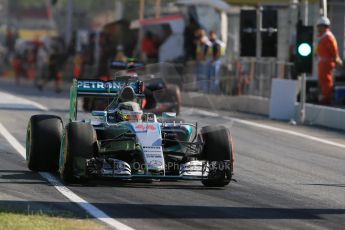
(315, 114)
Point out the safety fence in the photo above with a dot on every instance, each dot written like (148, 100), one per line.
(241, 77)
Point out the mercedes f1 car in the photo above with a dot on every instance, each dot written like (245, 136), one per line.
(124, 143)
(160, 95)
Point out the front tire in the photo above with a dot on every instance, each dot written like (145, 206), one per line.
(79, 145)
(218, 152)
(43, 140)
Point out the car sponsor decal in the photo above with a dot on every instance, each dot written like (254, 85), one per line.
(154, 157)
(155, 163)
(145, 127)
(139, 127)
(105, 86)
(150, 138)
(151, 127)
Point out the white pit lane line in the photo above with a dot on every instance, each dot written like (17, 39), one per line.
(271, 128)
(293, 133)
(10, 101)
(91, 209)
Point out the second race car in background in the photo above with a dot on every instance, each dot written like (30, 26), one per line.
(160, 96)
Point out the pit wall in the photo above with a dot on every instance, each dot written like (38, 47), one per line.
(315, 114)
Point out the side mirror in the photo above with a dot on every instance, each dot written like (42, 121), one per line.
(168, 115)
(99, 113)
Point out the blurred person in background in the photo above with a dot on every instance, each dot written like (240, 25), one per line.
(215, 53)
(42, 63)
(17, 63)
(149, 48)
(120, 55)
(77, 65)
(189, 39)
(54, 72)
(2, 61)
(10, 43)
(328, 58)
(31, 63)
(202, 45)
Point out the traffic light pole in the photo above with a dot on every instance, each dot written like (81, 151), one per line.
(306, 12)
(258, 31)
(302, 98)
(323, 9)
(304, 75)
(259, 46)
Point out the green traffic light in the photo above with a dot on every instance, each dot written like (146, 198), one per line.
(304, 49)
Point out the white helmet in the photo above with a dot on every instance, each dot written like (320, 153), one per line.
(128, 111)
(323, 21)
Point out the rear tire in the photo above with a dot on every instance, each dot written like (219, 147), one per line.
(175, 93)
(43, 140)
(80, 141)
(218, 152)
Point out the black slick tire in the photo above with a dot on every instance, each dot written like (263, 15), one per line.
(43, 141)
(80, 141)
(218, 153)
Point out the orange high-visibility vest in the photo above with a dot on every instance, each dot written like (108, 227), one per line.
(327, 48)
(327, 51)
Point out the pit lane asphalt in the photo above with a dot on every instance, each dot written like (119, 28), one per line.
(284, 181)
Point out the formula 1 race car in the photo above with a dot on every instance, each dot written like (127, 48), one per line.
(160, 96)
(124, 143)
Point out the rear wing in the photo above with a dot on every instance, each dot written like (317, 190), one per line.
(119, 65)
(106, 88)
(99, 88)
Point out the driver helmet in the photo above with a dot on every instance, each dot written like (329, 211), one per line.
(128, 111)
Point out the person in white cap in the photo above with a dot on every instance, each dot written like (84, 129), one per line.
(328, 58)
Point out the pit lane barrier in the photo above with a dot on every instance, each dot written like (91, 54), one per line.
(324, 116)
